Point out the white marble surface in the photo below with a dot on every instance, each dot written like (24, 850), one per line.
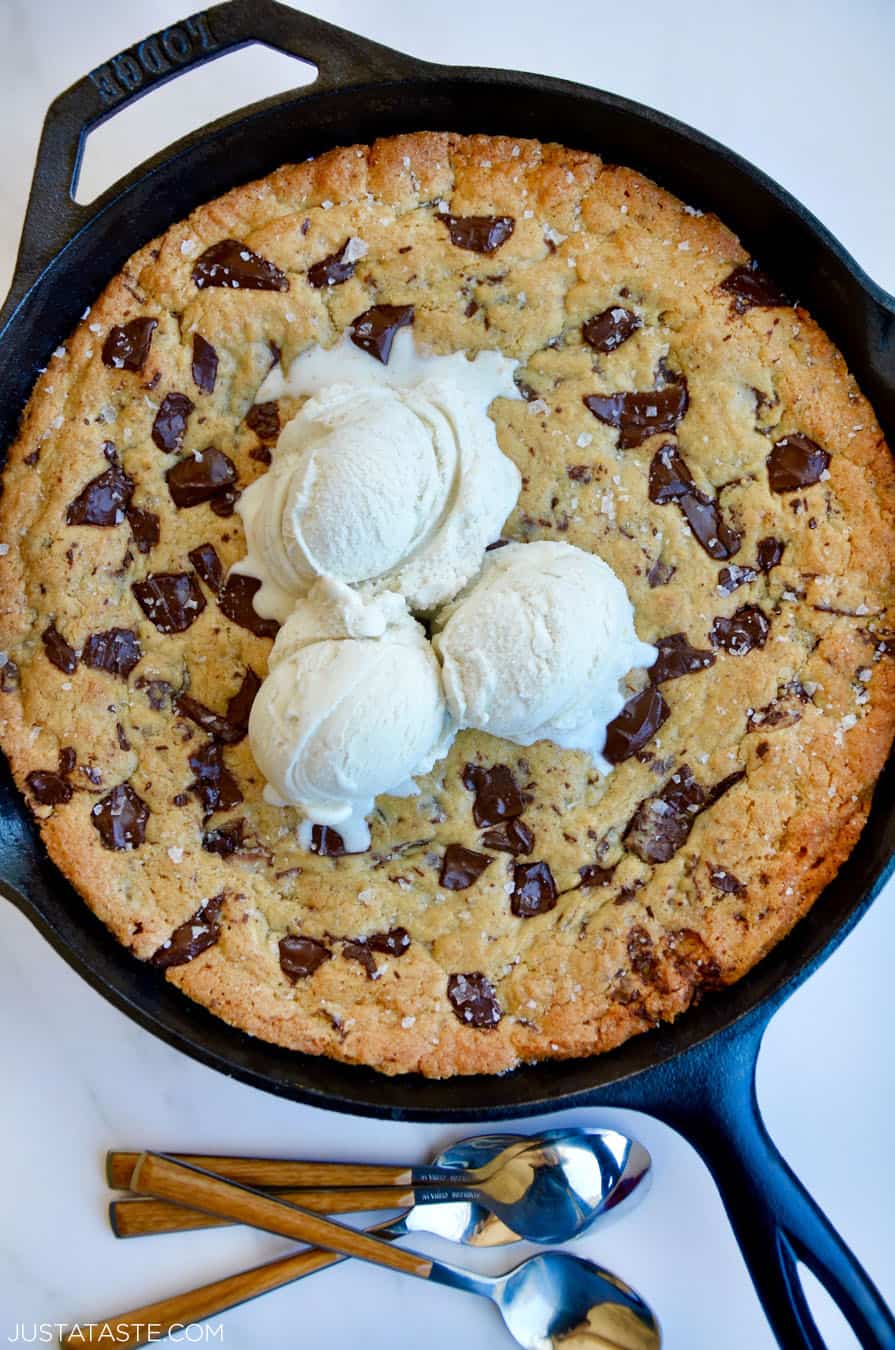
(806, 91)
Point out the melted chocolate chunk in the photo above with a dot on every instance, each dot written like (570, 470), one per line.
(208, 565)
(769, 553)
(725, 881)
(497, 798)
(534, 890)
(205, 364)
(120, 818)
(67, 760)
(356, 949)
(62, 656)
(749, 286)
(226, 839)
(157, 691)
(660, 573)
(773, 716)
(121, 737)
(473, 1000)
(192, 938)
(48, 788)
(511, 836)
(333, 269)
(231, 726)
(461, 867)
(671, 481)
(9, 676)
(104, 501)
(592, 874)
(662, 823)
(116, 651)
(676, 658)
(327, 842)
(694, 960)
(301, 956)
(637, 723)
(478, 234)
(641, 955)
(145, 528)
(731, 578)
(213, 784)
(393, 943)
(235, 601)
(127, 347)
(170, 600)
(747, 629)
(232, 264)
(264, 420)
(374, 330)
(796, 462)
(641, 415)
(169, 427)
(604, 332)
(200, 477)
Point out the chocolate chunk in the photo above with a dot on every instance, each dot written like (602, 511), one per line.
(191, 938)
(580, 473)
(676, 658)
(374, 330)
(750, 286)
(356, 949)
(260, 454)
(637, 723)
(333, 269)
(724, 881)
(511, 836)
(774, 716)
(393, 943)
(104, 500)
(121, 736)
(473, 1000)
(641, 415)
(120, 818)
(231, 726)
(63, 657)
(478, 234)
(769, 553)
(213, 784)
(301, 956)
(731, 578)
(534, 890)
(157, 691)
(67, 760)
(670, 480)
(461, 867)
(48, 788)
(660, 573)
(170, 600)
(264, 420)
(641, 955)
(116, 651)
(604, 332)
(497, 798)
(796, 462)
(225, 502)
(145, 528)
(694, 960)
(169, 427)
(9, 676)
(235, 601)
(327, 842)
(746, 629)
(205, 364)
(127, 347)
(226, 839)
(208, 565)
(199, 477)
(594, 875)
(232, 264)
(662, 823)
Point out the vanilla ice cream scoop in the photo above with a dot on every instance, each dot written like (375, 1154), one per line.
(389, 478)
(536, 648)
(352, 707)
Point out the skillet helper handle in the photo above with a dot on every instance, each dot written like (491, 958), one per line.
(53, 217)
(774, 1219)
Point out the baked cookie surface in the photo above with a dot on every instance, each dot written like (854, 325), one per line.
(681, 419)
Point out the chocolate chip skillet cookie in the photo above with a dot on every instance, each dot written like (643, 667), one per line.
(681, 418)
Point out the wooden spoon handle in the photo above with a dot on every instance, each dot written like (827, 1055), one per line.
(167, 1179)
(155, 1320)
(280, 1172)
(145, 1218)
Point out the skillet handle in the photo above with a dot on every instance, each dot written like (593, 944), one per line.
(53, 218)
(709, 1097)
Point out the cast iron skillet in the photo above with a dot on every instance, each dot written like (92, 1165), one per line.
(697, 1075)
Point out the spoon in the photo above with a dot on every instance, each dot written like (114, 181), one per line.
(552, 1301)
(614, 1168)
